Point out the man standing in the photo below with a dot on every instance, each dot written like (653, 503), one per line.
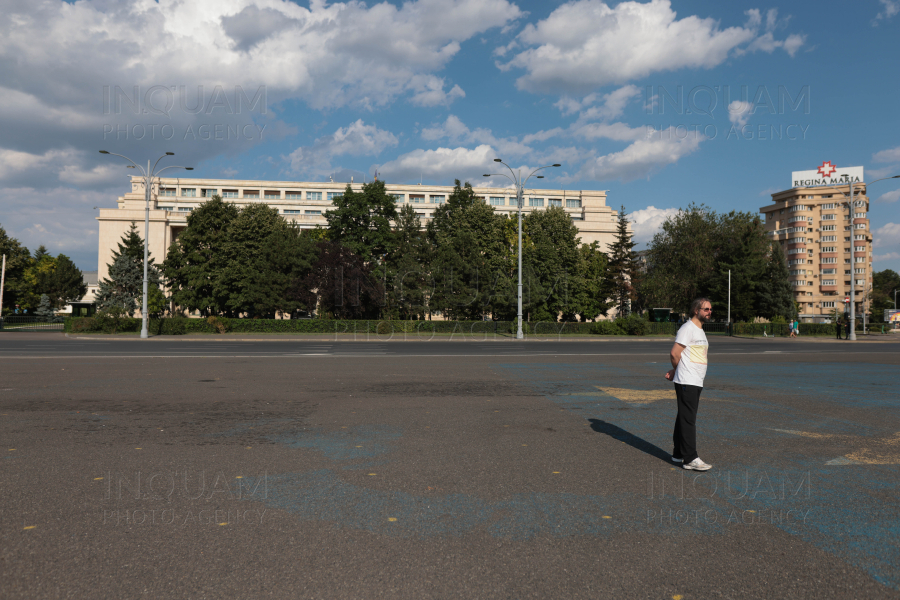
(688, 358)
(837, 325)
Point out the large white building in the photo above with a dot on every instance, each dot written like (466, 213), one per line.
(172, 199)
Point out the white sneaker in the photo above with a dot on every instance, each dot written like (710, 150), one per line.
(697, 465)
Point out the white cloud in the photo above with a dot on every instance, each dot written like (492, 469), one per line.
(610, 105)
(643, 157)
(885, 257)
(889, 196)
(357, 139)
(442, 164)
(62, 219)
(60, 94)
(586, 44)
(887, 156)
(890, 9)
(887, 235)
(739, 112)
(454, 130)
(646, 222)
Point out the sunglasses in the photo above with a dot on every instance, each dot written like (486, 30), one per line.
(706, 309)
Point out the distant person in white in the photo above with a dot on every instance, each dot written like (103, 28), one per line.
(688, 370)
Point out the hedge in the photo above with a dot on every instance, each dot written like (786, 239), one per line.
(627, 326)
(175, 326)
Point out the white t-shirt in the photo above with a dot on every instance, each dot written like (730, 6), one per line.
(692, 366)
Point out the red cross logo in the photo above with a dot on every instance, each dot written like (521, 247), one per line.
(827, 169)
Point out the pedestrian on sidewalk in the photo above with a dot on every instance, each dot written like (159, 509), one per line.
(689, 359)
(837, 325)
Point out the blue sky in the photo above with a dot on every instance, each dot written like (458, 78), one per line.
(660, 103)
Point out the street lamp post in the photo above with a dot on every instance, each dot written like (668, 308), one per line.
(520, 200)
(852, 334)
(149, 174)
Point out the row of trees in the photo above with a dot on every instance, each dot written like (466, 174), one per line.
(375, 261)
(30, 276)
(695, 249)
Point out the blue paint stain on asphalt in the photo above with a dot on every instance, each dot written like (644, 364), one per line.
(851, 511)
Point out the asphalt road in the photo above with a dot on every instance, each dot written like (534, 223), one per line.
(323, 469)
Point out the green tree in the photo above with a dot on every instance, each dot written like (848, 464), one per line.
(551, 258)
(588, 296)
(622, 267)
(341, 285)
(361, 221)
(264, 256)
(124, 286)
(405, 268)
(883, 285)
(195, 262)
(467, 260)
(66, 283)
(44, 310)
(17, 260)
(775, 296)
(37, 278)
(741, 246)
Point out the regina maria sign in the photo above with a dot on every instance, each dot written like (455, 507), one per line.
(827, 174)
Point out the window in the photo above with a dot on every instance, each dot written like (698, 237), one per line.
(808, 197)
(827, 227)
(860, 282)
(208, 193)
(846, 261)
(419, 214)
(313, 213)
(829, 196)
(185, 209)
(798, 283)
(859, 203)
(437, 199)
(555, 202)
(417, 199)
(859, 248)
(797, 261)
(577, 217)
(797, 251)
(828, 217)
(293, 196)
(573, 202)
(860, 215)
(229, 193)
(798, 272)
(829, 261)
(829, 206)
(332, 195)
(514, 201)
(860, 259)
(859, 226)
(859, 271)
(859, 237)
(828, 305)
(189, 192)
(292, 212)
(272, 195)
(799, 207)
(167, 191)
(829, 282)
(251, 194)
(535, 202)
(497, 201)
(827, 238)
(398, 198)
(165, 208)
(829, 271)
(829, 249)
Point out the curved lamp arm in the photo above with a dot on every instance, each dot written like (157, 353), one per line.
(128, 159)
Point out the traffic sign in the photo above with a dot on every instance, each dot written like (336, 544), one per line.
(846, 300)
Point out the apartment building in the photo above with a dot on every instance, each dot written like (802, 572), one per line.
(826, 237)
(172, 199)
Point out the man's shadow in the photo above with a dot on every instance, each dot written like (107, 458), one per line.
(617, 433)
